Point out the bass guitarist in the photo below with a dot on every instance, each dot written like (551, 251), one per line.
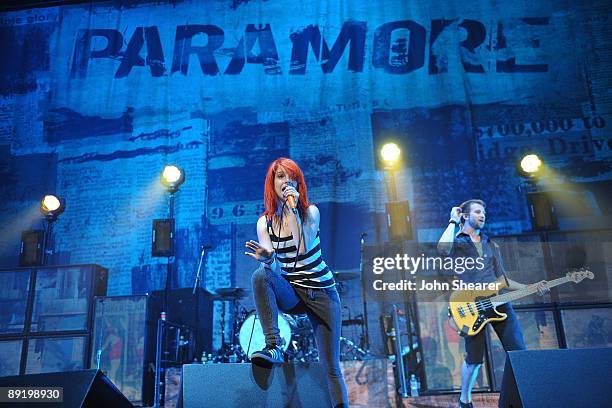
(463, 237)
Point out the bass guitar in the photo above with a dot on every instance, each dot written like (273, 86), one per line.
(470, 310)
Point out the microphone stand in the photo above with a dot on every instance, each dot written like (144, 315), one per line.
(196, 284)
(198, 278)
(363, 294)
(101, 336)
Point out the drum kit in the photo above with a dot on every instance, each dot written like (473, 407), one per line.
(295, 331)
(247, 334)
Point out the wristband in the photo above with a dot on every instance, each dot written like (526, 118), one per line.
(271, 260)
(453, 222)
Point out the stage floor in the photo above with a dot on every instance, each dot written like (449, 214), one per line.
(481, 400)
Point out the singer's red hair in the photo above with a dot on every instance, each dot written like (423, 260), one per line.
(296, 174)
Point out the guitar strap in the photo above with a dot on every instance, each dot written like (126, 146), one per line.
(498, 264)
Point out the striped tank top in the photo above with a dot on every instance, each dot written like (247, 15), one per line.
(310, 270)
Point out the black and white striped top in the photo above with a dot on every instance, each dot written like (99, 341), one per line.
(310, 270)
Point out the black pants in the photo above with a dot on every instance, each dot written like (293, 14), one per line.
(272, 293)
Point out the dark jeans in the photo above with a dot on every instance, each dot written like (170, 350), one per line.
(272, 293)
(508, 331)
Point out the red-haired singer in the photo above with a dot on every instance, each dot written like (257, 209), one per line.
(292, 276)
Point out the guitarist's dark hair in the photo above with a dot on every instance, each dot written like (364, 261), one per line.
(466, 206)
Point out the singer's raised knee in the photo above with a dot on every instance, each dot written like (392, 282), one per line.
(260, 276)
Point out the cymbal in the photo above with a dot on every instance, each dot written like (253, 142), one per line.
(229, 293)
(230, 290)
(346, 275)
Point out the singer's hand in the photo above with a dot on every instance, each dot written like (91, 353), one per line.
(259, 253)
(291, 191)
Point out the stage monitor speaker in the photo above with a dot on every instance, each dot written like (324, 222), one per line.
(163, 238)
(542, 211)
(31, 252)
(248, 385)
(398, 221)
(85, 388)
(557, 379)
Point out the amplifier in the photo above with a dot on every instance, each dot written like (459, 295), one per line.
(51, 299)
(123, 344)
(182, 310)
(46, 317)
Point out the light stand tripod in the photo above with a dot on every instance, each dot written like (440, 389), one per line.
(172, 177)
(161, 322)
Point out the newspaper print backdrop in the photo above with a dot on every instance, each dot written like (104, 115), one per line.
(95, 99)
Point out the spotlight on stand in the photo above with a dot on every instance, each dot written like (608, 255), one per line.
(163, 229)
(400, 230)
(172, 177)
(52, 206)
(398, 212)
(541, 207)
(531, 165)
(163, 246)
(390, 154)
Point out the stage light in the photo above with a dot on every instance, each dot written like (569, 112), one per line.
(390, 153)
(52, 206)
(172, 177)
(530, 165)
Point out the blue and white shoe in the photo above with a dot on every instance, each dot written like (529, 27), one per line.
(273, 355)
(465, 405)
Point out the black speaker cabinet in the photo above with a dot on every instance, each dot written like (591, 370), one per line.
(542, 211)
(248, 385)
(163, 238)
(398, 221)
(85, 388)
(557, 379)
(31, 251)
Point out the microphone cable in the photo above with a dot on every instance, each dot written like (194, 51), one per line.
(300, 235)
(280, 226)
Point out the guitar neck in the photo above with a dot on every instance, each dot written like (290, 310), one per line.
(521, 293)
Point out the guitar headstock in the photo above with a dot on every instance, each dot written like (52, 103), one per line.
(580, 274)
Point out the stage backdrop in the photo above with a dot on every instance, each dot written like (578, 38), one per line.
(95, 99)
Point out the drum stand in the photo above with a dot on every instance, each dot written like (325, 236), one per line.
(302, 342)
(229, 352)
(348, 349)
(357, 352)
(361, 351)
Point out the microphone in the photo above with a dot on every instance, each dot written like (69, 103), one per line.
(291, 201)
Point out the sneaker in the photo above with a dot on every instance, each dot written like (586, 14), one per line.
(464, 405)
(270, 354)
